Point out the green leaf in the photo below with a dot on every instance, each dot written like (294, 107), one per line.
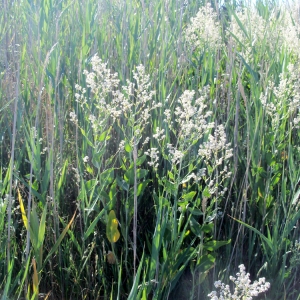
(214, 245)
(93, 224)
(62, 177)
(159, 232)
(206, 193)
(182, 261)
(189, 196)
(34, 226)
(128, 148)
(102, 136)
(140, 174)
(112, 193)
(7, 287)
(195, 211)
(42, 227)
(207, 228)
(263, 237)
(254, 74)
(171, 176)
(141, 187)
(195, 227)
(122, 184)
(62, 235)
(140, 160)
(134, 289)
(89, 169)
(206, 263)
(170, 187)
(97, 158)
(87, 139)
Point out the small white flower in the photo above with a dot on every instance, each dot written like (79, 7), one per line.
(154, 156)
(73, 117)
(159, 135)
(44, 150)
(34, 132)
(122, 146)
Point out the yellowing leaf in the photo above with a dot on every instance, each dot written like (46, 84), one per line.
(284, 155)
(187, 233)
(112, 231)
(24, 217)
(35, 280)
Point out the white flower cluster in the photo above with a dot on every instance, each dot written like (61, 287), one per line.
(130, 107)
(191, 117)
(215, 146)
(103, 84)
(283, 100)
(243, 290)
(159, 135)
(34, 132)
(289, 30)
(73, 117)
(204, 31)
(191, 126)
(249, 30)
(134, 100)
(140, 97)
(101, 80)
(175, 155)
(252, 33)
(193, 176)
(122, 146)
(153, 153)
(216, 153)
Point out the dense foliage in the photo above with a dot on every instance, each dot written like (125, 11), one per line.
(149, 149)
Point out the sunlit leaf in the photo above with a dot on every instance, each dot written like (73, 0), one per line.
(24, 217)
(128, 148)
(189, 196)
(102, 136)
(42, 227)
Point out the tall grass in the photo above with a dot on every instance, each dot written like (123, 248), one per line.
(148, 148)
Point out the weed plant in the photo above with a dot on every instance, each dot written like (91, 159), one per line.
(149, 149)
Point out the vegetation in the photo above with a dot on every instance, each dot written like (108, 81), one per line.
(149, 149)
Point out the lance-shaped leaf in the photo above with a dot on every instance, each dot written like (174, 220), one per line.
(24, 217)
(35, 280)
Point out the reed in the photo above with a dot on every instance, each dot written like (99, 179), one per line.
(148, 148)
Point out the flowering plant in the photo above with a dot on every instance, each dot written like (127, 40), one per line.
(243, 290)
